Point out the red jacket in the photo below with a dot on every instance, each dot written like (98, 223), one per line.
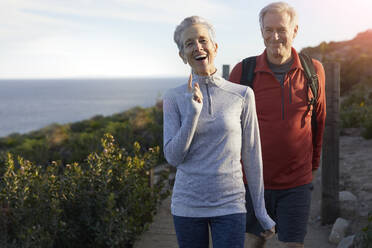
(290, 148)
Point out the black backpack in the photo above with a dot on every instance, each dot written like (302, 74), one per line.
(249, 64)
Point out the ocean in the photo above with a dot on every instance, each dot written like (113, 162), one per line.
(27, 105)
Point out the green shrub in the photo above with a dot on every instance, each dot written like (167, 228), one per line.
(30, 205)
(105, 202)
(356, 109)
(367, 125)
(353, 115)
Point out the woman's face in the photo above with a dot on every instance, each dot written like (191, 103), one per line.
(199, 51)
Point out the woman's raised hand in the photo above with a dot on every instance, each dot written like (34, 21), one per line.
(196, 92)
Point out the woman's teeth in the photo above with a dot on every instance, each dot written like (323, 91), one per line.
(200, 57)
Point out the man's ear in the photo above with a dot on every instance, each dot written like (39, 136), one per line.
(182, 57)
(295, 31)
(215, 47)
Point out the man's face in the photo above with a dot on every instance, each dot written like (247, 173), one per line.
(199, 51)
(278, 34)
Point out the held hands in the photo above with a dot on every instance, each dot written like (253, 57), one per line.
(196, 92)
(268, 234)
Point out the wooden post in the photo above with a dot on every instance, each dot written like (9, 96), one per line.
(225, 71)
(330, 153)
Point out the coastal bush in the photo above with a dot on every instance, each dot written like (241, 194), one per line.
(356, 109)
(367, 131)
(105, 202)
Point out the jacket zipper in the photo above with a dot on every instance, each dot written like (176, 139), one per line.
(290, 90)
(290, 93)
(209, 101)
(282, 89)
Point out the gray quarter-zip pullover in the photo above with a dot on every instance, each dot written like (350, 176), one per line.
(205, 141)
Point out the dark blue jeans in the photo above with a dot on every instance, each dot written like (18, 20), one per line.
(227, 231)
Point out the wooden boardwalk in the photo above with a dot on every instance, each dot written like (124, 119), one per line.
(161, 233)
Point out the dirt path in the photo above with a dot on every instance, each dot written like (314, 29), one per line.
(355, 174)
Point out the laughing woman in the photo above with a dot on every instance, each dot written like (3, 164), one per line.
(209, 124)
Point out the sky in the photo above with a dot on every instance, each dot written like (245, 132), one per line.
(134, 38)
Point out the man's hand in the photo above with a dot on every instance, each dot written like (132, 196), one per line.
(268, 234)
(196, 92)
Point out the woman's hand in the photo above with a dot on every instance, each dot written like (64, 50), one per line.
(268, 234)
(196, 92)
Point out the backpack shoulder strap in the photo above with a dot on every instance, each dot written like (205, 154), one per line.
(313, 85)
(248, 66)
(311, 76)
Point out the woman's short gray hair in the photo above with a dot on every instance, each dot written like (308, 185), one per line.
(279, 7)
(187, 22)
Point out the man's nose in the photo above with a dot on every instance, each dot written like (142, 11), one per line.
(276, 35)
(198, 46)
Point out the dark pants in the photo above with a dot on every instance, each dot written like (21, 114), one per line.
(227, 231)
(289, 208)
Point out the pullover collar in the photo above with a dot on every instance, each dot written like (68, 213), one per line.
(214, 79)
(262, 63)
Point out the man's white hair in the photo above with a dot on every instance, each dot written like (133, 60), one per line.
(279, 7)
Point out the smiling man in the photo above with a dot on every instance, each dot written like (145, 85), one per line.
(291, 137)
